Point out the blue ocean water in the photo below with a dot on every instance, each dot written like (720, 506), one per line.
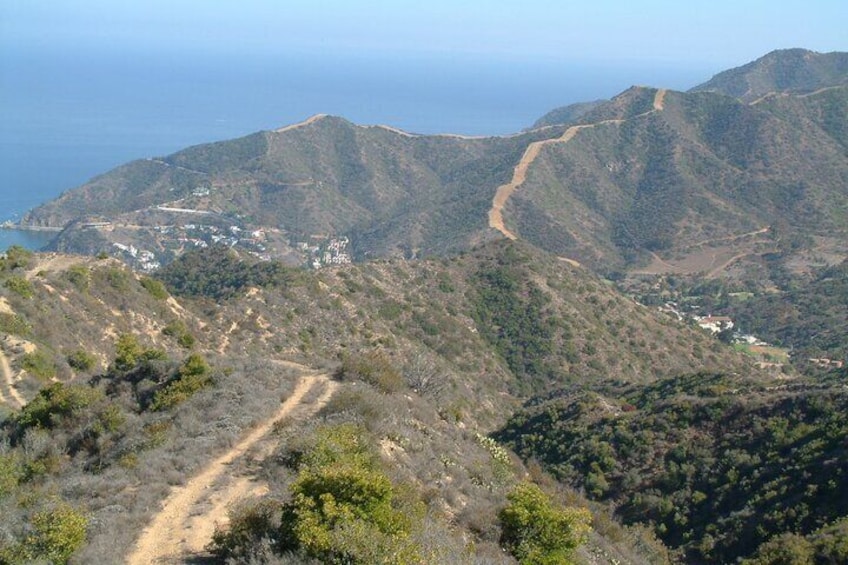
(65, 119)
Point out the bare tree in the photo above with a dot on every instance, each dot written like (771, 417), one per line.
(424, 377)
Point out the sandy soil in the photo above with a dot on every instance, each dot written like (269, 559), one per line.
(55, 262)
(8, 393)
(188, 517)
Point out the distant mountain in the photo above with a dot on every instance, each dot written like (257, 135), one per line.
(567, 114)
(657, 181)
(781, 71)
(652, 181)
(396, 193)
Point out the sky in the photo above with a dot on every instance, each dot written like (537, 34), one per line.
(88, 84)
(716, 34)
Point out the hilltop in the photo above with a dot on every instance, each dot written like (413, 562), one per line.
(782, 71)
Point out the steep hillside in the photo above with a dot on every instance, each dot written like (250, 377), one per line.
(516, 318)
(391, 192)
(784, 70)
(716, 464)
(694, 184)
(129, 389)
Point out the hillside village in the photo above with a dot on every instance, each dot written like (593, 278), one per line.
(161, 243)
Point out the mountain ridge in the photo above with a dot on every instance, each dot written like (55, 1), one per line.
(641, 194)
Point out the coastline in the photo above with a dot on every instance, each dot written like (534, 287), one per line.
(10, 225)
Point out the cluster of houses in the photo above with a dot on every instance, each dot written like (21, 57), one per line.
(327, 251)
(712, 324)
(144, 260)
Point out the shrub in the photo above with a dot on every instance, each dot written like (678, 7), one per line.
(56, 534)
(248, 526)
(155, 288)
(127, 352)
(81, 360)
(538, 532)
(344, 508)
(118, 278)
(20, 286)
(15, 325)
(39, 364)
(56, 401)
(17, 257)
(10, 472)
(373, 368)
(79, 276)
(177, 329)
(192, 376)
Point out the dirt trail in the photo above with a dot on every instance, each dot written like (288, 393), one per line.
(713, 273)
(820, 90)
(55, 262)
(519, 175)
(305, 122)
(8, 393)
(659, 99)
(729, 237)
(187, 520)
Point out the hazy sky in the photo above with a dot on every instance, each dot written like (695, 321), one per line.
(718, 33)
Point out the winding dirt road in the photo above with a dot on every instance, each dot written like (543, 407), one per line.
(519, 175)
(8, 393)
(187, 520)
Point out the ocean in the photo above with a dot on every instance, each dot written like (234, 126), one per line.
(65, 119)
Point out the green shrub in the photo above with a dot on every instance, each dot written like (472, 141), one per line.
(81, 360)
(79, 276)
(56, 534)
(39, 364)
(538, 532)
(192, 376)
(344, 508)
(118, 278)
(20, 286)
(10, 472)
(155, 288)
(127, 352)
(14, 324)
(178, 330)
(373, 368)
(57, 401)
(17, 257)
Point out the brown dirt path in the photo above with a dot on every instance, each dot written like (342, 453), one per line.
(305, 122)
(188, 517)
(53, 262)
(519, 175)
(730, 237)
(8, 393)
(714, 272)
